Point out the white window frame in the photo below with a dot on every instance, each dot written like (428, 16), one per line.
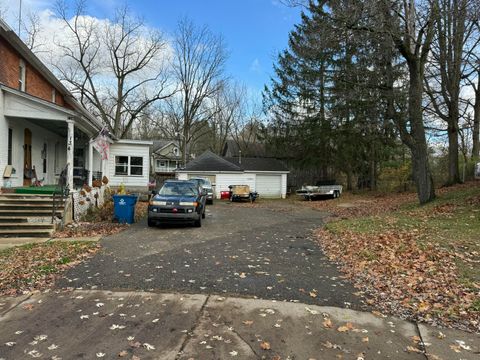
(21, 75)
(129, 165)
(54, 95)
(135, 166)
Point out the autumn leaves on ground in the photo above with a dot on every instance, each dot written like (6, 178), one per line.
(34, 267)
(421, 263)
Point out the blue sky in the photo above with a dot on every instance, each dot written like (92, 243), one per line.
(254, 30)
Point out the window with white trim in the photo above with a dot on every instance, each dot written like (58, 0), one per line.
(54, 95)
(21, 75)
(136, 165)
(128, 165)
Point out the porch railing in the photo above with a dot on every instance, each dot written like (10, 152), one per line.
(60, 194)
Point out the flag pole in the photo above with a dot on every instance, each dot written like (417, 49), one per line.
(19, 18)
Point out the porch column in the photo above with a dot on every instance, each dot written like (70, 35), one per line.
(70, 145)
(90, 163)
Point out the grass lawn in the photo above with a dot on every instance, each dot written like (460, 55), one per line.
(422, 262)
(35, 266)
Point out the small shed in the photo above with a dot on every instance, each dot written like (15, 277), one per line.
(129, 164)
(267, 176)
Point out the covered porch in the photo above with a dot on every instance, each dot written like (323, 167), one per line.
(43, 138)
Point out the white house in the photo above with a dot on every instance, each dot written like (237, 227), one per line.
(166, 156)
(43, 128)
(267, 176)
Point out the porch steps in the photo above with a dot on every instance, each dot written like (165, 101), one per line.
(24, 225)
(26, 216)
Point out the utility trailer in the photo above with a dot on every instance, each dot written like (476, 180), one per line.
(310, 192)
(242, 192)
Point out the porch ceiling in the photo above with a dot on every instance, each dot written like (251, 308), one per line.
(58, 127)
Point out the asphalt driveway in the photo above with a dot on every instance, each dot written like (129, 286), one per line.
(241, 250)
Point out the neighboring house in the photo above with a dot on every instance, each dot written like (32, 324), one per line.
(266, 176)
(233, 148)
(166, 156)
(43, 128)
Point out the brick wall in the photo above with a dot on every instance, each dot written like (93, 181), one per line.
(35, 83)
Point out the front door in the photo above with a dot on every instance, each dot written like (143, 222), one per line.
(27, 158)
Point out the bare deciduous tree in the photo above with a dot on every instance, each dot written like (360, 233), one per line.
(446, 72)
(198, 68)
(226, 112)
(116, 67)
(411, 25)
(31, 29)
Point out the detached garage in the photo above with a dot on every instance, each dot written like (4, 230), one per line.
(266, 176)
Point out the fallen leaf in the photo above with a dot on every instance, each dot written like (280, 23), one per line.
(414, 349)
(327, 323)
(265, 345)
(148, 346)
(313, 312)
(416, 339)
(123, 353)
(247, 322)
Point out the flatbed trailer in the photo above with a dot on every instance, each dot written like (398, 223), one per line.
(312, 192)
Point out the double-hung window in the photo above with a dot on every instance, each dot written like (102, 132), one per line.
(21, 75)
(136, 165)
(128, 165)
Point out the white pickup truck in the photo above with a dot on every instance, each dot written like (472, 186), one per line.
(311, 192)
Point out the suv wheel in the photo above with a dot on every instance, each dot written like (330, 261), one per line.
(151, 223)
(198, 223)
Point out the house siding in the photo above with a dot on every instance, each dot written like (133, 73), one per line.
(35, 83)
(3, 137)
(130, 182)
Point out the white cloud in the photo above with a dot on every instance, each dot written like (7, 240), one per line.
(255, 66)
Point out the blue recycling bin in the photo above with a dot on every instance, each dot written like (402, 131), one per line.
(124, 208)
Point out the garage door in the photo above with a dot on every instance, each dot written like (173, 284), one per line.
(269, 186)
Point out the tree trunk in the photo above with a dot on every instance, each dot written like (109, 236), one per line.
(349, 180)
(476, 123)
(453, 172)
(373, 169)
(418, 146)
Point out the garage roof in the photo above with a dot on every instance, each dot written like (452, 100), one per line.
(209, 161)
